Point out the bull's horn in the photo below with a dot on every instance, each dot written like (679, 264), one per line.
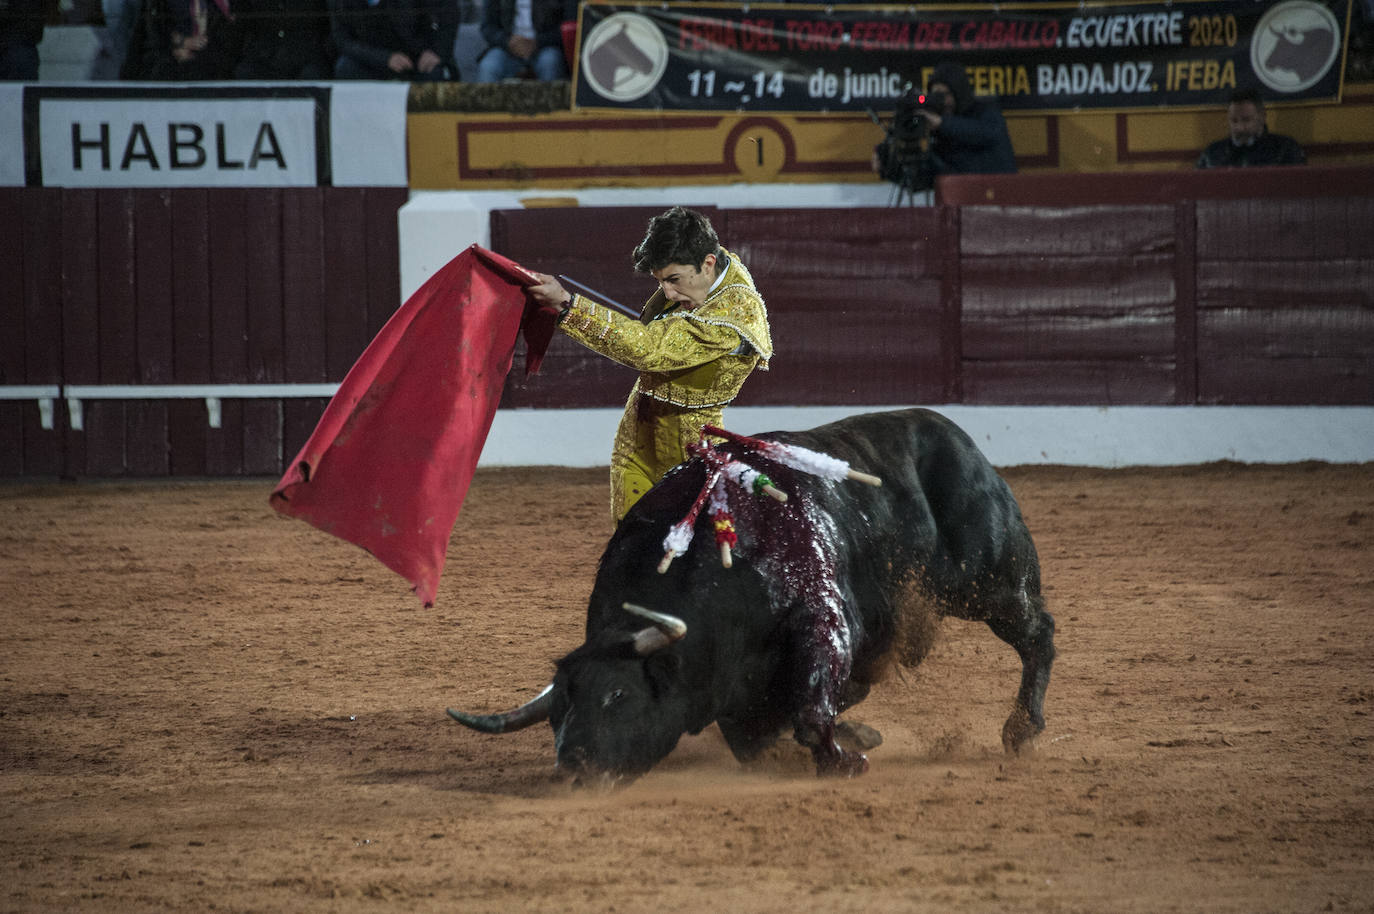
(666, 629)
(531, 712)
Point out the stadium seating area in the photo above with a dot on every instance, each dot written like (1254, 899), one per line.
(72, 44)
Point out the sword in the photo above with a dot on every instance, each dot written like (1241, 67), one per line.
(604, 299)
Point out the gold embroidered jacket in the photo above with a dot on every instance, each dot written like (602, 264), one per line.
(690, 362)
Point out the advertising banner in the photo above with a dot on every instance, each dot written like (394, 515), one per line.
(204, 135)
(784, 58)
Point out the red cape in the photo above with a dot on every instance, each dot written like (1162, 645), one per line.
(391, 460)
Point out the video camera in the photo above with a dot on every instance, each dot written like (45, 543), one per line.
(904, 156)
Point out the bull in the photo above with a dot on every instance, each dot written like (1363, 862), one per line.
(826, 590)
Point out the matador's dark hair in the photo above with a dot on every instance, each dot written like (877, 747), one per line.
(681, 236)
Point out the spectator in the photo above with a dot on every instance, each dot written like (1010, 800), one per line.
(184, 40)
(1250, 142)
(121, 17)
(284, 39)
(395, 39)
(524, 35)
(970, 136)
(21, 29)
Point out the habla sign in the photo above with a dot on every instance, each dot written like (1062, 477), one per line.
(203, 135)
(158, 142)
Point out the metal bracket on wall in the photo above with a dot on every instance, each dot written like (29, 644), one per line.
(45, 394)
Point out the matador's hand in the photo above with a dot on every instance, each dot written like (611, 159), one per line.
(549, 294)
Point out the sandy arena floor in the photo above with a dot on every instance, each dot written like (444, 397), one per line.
(204, 706)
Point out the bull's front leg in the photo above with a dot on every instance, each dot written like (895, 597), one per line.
(823, 654)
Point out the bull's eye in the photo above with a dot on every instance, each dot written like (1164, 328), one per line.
(612, 697)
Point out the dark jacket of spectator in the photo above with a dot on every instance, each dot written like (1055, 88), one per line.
(973, 139)
(284, 39)
(21, 30)
(366, 34)
(1266, 149)
(498, 21)
(163, 46)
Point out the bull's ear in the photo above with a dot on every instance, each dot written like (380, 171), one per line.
(662, 670)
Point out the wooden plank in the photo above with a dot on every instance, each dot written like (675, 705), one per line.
(1358, 227)
(82, 282)
(12, 276)
(1069, 231)
(1268, 230)
(43, 451)
(37, 327)
(857, 244)
(265, 349)
(1185, 303)
(382, 239)
(1141, 382)
(104, 438)
(299, 418)
(228, 285)
(837, 348)
(186, 428)
(1142, 333)
(1097, 286)
(145, 438)
(26, 448)
(262, 441)
(224, 445)
(12, 435)
(1233, 379)
(1293, 333)
(153, 305)
(74, 443)
(950, 331)
(346, 326)
(40, 325)
(303, 297)
(117, 339)
(191, 331)
(1311, 285)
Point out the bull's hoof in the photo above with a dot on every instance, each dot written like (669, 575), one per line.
(1019, 732)
(853, 735)
(842, 765)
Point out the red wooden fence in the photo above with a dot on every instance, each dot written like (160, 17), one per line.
(184, 287)
(1152, 301)
(1255, 302)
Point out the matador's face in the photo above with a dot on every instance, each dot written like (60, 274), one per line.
(687, 285)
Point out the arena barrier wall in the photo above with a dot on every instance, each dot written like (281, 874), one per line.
(1257, 300)
(200, 332)
(183, 332)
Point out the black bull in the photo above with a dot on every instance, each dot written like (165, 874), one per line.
(824, 589)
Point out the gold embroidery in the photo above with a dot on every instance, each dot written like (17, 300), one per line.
(691, 364)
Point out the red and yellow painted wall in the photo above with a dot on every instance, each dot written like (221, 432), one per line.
(450, 150)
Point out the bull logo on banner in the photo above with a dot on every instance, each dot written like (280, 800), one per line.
(1295, 45)
(624, 57)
